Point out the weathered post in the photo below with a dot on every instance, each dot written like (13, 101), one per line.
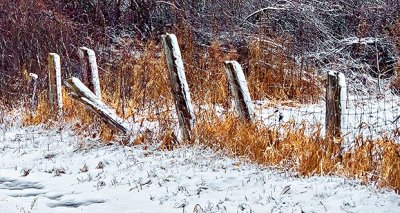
(179, 85)
(90, 70)
(55, 94)
(239, 91)
(33, 82)
(335, 103)
(82, 94)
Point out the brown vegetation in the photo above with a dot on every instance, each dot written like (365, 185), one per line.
(290, 148)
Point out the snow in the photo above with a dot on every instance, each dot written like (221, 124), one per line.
(67, 173)
(364, 116)
(108, 112)
(343, 91)
(33, 76)
(86, 91)
(357, 40)
(372, 116)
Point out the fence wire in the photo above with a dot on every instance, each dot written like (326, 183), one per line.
(367, 116)
(372, 117)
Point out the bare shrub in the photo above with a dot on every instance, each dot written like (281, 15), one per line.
(29, 31)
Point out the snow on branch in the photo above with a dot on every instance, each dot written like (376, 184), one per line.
(263, 10)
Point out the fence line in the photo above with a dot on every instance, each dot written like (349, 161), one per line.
(371, 116)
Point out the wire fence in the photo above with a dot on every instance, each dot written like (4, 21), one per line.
(370, 117)
(366, 116)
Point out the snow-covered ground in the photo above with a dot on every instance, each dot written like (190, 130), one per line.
(55, 171)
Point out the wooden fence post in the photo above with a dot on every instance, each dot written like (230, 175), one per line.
(55, 93)
(335, 103)
(83, 95)
(179, 85)
(90, 70)
(239, 91)
(34, 98)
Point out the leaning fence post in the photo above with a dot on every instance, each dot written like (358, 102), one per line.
(335, 103)
(239, 91)
(82, 94)
(55, 94)
(179, 85)
(90, 70)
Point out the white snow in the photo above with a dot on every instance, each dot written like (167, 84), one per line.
(33, 76)
(86, 91)
(367, 116)
(358, 40)
(134, 179)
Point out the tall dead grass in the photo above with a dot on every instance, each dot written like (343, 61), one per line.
(135, 85)
(290, 148)
(275, 75)
(140, 79)
(137, 81)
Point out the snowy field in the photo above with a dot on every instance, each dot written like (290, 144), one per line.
(55, 171)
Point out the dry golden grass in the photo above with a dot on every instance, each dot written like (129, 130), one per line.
(137, 82)
(291, 148)
(205, 69)
(274, 75)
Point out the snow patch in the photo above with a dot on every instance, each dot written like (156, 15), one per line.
(146, 180)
